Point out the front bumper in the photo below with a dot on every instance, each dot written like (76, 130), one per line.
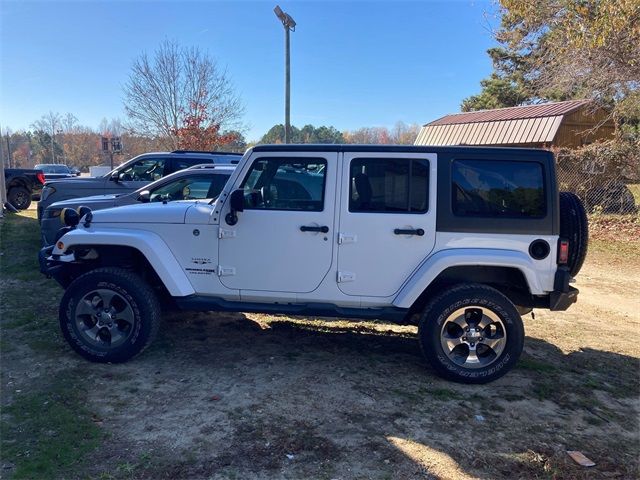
(52, 266)
(563, 295)
(48, 264)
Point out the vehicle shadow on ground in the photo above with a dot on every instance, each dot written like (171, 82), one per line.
(356, 399)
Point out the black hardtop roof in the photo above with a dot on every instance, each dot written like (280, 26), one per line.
(394, 148)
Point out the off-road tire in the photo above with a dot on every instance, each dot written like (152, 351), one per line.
(461, 296)
(19, 197)
(132, 288)
(575, 228)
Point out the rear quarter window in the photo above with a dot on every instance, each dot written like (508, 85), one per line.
(488, 188)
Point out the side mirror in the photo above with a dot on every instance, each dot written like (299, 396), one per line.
(145, 196)
(115, 177)
(237, 200)
(236, 204)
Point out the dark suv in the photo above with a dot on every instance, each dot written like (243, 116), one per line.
(131, 175)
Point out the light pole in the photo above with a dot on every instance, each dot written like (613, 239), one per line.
(289, 24)
(59, 133)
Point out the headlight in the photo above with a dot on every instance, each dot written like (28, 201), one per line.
(47, 191)
(52, 213)
(69, 217)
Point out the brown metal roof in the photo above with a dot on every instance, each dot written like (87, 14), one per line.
(503, 126)
(512, 113)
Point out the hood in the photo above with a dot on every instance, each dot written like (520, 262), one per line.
(81, 182)
(157, 212)
(92, 202)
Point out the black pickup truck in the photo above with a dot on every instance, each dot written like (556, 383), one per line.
(23, 185)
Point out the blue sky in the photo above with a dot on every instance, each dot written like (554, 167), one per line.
(354, 64)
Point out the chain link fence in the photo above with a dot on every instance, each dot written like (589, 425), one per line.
(606, 176)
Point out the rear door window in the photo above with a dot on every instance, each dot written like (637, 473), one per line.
(144, 170)
(487, 188)
(182, 163)
(389, 185)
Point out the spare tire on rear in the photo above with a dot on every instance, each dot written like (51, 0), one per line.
(575, 228)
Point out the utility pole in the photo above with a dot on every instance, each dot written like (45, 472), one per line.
(3, 192)
(289, 25)
(6, 133)
(53, 150)
(59, 132)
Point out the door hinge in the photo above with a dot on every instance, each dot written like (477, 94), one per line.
(226, 271)
(346, 277)
(226, 233)
(347, 238)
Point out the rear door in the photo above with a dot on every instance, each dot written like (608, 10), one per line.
(387, 220)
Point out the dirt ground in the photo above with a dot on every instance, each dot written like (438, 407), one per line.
(263, 396)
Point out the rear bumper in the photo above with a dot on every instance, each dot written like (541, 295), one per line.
(563, 295)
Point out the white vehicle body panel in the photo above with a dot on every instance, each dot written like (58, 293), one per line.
(149, 243)
(372, 259)
(154, 213)
(481, 250)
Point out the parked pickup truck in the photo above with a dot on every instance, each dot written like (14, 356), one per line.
(130, 176)
(55, 171)
(23, 185)
(460, 241)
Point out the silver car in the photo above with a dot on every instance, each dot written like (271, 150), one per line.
(197, 182)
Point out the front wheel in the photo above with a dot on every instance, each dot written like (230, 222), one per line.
(109, 315)
(471, 334)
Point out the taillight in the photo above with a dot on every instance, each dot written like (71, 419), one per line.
(563, 252)
(40, 177)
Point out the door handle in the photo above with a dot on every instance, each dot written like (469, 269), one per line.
(409, 231)
(306, 228)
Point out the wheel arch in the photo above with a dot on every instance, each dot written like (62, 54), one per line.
(510, 272)
(132, 249)
(18, 182)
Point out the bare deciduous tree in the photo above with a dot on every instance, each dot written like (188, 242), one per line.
(164, 89)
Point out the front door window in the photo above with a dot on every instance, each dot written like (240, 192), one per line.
(286, 184)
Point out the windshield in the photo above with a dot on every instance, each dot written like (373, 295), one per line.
(192, 187)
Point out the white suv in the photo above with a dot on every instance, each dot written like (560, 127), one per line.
(460, 240)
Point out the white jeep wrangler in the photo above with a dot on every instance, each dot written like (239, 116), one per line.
(459, 240)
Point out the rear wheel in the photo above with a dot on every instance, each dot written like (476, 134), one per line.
(471, 334)
(19, 197)
(109, 315)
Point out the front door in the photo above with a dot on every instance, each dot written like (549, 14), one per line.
(387, 220)
(282, 240)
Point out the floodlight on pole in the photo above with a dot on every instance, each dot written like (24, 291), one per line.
(289, 25)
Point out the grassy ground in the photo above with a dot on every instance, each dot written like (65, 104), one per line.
(262, 396)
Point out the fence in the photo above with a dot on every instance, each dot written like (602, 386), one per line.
(605, 176)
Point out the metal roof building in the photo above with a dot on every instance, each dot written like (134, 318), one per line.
(563, 124)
